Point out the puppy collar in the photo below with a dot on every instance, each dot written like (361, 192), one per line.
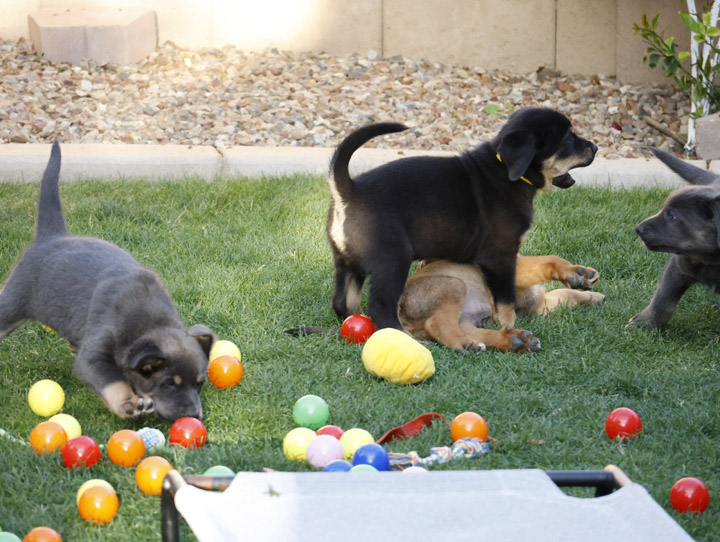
(497, 155)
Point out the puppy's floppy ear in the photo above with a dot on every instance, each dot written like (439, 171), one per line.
(204, 336)
(715, 207)
(146, 362)
(517, 150)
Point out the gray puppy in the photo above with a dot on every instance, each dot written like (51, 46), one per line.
(688, 227)
(131, 348)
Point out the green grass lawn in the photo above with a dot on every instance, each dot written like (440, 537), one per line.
(249, 259)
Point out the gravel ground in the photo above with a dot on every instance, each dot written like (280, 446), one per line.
(232, 97)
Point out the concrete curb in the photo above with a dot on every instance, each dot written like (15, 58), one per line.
(21, 162)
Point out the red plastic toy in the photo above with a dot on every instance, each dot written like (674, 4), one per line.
(332, 430)
(81, 451)
(188, 432)
(357, 328)
(689, 495)
(623, 422)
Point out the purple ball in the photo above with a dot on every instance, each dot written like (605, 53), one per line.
(323, 449)
(372, 454)
(339, 465)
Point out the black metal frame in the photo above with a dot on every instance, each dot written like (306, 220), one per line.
(604, 481)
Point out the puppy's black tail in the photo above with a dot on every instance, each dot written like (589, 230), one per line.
(310, 330)
(689, 173)
(50, 220)
(339, 173)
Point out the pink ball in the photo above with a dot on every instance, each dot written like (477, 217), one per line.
(323, 449)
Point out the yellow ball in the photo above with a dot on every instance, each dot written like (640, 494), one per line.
(91, 483)
(397, 357)
(296, 442)
(46, 397)
(224, 348)
(70, 424)
(352, 439)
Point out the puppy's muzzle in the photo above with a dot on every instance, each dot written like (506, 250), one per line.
(563, 181)
(566, 181)
(646, 233)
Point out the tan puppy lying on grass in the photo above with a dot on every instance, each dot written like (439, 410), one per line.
(450, 302)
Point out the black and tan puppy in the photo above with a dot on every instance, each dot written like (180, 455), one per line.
(131, 348)
(688, 227)
(450, 302)
(474, 208)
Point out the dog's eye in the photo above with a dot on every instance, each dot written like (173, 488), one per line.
(169, 383)
(669, 214)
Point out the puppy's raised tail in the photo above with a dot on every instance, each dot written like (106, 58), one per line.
(339, 165)
(310, 330)
(689, 173)
(50, 220)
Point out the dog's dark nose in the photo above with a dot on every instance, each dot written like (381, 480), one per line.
(642, 229)
(593, 147)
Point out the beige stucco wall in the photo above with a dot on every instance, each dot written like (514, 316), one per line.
(490, 35)
(574, 36)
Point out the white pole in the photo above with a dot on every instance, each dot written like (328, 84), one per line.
(694, 53)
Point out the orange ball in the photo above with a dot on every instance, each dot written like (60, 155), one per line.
(42, 534)
(225, 371)
(48, 437)
(125, 448)
(150, 473)
(469, 425)
(98, 504)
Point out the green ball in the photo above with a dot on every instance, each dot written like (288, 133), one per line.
(363, 468)
(8, 537)
(311, 411)
(219, 470)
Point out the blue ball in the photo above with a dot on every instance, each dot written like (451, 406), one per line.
(339, 465)
(372, 454)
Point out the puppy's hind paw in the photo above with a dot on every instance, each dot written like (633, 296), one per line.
(475, 347)
(523, 341)
(581, 277)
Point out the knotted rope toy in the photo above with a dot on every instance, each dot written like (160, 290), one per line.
(464, 448)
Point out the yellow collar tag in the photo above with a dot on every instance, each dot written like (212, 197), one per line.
(497, 155)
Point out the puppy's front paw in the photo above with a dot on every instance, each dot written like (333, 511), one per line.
(643, 320)
(521, 341)
(122, 400)
(580, 277)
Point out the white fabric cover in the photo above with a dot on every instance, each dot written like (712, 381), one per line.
(502, 505)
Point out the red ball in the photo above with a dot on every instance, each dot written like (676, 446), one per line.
(81, 452)
(689, 495)
(623, 422)
(357, 328)
(188, 432)
(332, 430)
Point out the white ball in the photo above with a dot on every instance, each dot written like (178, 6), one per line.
(153, 438)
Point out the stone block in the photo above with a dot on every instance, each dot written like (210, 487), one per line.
(120, 36)
(707, 137)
